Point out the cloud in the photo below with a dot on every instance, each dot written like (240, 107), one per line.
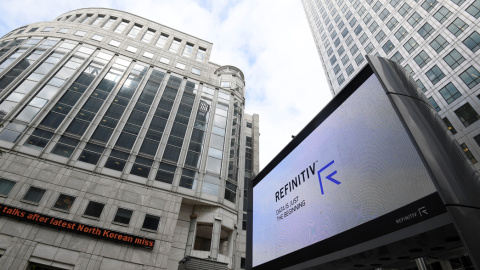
(270, 41)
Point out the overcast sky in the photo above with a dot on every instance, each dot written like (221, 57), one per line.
(270, 41)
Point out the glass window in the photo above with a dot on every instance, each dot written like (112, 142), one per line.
(450, 93)
(340, 79)
(131, 49)
(201, 53)
(123, 216)
(354, 49)
(422, 59)
(47, 29)
(32, 30)
(6, 186)
(439, 43)
(367, 18)
(336, 69)
(471, 77)
(359, 59)
(384, 14)
(377, 6)
(404, 9)
(64, 202)
(349, 40)
(353, 22)
(458, 2)
(330, 51)
(180, 66)
(121, 26)
(337, 42)
(410, 45)
(164, 60)
(97, 37)
(85, 19)
(401, 33)
(162, 40)
(457, 27)
(345, 32)
(63, 30)
(109, 23)
(435, 74)
(474, 9)
(397, 58)
(473, 41)
(151, 222)
(454, 59)
(363, 38)
(148, 55)
(80, 33)
(332, 60)
(409, 69)
(429, 4)
(341, 50)
(348, 15)
(434, 104)
(350, 70)
(394, 3)
(134, 31)
(34, 194)
(392, 23)
(468, 153)
(148, 36)
(187, 52)
(421, 86)
(380, 36)
(94, 209)
(114, 43)
(98, 20)
(451, 128)
(369, 48)
(175, 45)
(414, 19)
(388, 47)
(442, 14)
(358, 30)
(426, 30)
(373, 27)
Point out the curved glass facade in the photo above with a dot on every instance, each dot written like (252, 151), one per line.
(120, 99)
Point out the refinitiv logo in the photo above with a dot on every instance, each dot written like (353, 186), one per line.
(306, 175)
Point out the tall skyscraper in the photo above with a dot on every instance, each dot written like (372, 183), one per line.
(437, 41)
(124, 147)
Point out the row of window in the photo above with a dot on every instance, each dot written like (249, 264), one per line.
(134, 32)
(456, 27)
(118, 158)
(65, 202)
(471, 77)
(115, 43)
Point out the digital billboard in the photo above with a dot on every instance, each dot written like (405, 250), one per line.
(354, 176)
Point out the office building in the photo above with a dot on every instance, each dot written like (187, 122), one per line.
(124, 147)
(437, 41)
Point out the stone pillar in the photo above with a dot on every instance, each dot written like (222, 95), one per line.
(421, 264)
(217, 227)
(191, 234)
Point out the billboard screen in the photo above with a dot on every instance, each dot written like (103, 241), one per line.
(355, 165)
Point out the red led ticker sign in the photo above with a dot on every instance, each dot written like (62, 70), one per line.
(72, 226)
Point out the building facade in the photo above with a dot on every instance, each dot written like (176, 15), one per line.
(124, 147)
(437, 41)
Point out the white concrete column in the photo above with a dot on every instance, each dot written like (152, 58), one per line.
(191, 234)
(217, 227)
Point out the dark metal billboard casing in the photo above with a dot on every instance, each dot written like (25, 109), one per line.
(455, 180)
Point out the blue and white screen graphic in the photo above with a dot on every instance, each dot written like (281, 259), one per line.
(357, 165)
